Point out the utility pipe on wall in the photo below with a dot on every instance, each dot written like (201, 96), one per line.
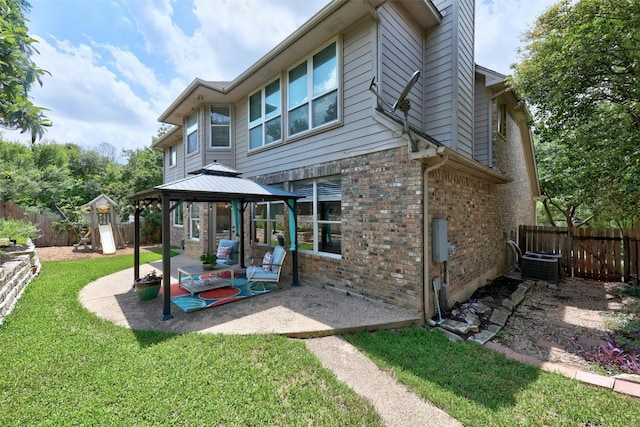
(426, 260)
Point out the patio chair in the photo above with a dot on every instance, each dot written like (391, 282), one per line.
(227, 252)
(267, 271)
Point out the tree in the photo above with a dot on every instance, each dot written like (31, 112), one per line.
(18, 72)
(580, 73)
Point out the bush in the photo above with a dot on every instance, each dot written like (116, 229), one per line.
(20, 230)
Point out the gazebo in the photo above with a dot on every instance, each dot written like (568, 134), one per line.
(214, 183)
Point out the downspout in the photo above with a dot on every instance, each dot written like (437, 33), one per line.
(426, 283)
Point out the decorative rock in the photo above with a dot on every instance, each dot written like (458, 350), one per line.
(509, 304)
(461, 328)
(482, 337)
(500, 316)
(482, 309)
(450, 335)
(518, 296)
(494, 328)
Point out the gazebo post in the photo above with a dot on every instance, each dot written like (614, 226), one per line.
(136, 241)
(166, 258)
(241, 209)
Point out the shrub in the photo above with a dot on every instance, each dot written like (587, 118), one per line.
(615, 355)
(18, 229)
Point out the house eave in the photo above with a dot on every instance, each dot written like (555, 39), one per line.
(336, 17)
(168, 139)
(473, 168)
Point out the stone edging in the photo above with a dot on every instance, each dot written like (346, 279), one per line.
(15, 275)
(499, 312)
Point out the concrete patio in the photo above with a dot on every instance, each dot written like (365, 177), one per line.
(299, 312)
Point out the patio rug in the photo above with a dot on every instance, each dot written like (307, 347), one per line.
(214, 297)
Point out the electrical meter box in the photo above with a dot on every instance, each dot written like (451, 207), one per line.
(439, 239)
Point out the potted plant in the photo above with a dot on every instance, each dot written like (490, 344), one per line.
(148, 286)
(208, 261)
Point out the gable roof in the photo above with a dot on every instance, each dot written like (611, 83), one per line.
(337, 16)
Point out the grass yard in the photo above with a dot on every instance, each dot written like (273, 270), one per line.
(61, 365)
(480, 387)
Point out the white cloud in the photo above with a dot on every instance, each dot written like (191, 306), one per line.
(88, 102)
(500, 25)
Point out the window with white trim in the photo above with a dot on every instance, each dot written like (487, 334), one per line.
(265, 116)
(320, 215)
(313, 91)
(192, 133)
(267, 222)
(220, 117)
(194, 222)
(173, 155)
(178, 215)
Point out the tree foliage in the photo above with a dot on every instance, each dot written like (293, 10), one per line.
(58, 179)
(18, 72)
(580, 73)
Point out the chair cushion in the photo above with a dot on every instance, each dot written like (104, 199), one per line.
(224, 251)
(257, 273)
(266, 261)
(233, 255)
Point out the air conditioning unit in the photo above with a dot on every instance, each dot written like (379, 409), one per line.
(540, 266)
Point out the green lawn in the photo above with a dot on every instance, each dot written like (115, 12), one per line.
(480, 387)
(61, 365)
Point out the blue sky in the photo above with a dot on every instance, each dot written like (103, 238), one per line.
(116, 65)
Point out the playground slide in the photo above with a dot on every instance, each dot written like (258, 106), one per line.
(106, 237)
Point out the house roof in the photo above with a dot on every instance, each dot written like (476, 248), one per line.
(337, 16)
(216, 183)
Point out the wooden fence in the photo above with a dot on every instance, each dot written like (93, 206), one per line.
(601, 254)
(48, 235)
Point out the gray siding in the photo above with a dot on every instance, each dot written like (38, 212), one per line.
(449, 77)
(438, 77)
(466, 77)
(357, 134)
(482, 123)
(401, 48)
(173, 173)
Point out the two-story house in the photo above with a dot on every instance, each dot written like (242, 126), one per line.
(386, 213)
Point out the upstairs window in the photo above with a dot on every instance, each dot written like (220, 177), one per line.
(173, 155)
(192, 133)
(313, 91)
(265, 116)
(220, 126)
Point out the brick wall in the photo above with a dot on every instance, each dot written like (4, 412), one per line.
(382, 228)
(481, 216)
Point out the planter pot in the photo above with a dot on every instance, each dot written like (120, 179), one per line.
(148, 290)
(206, 266)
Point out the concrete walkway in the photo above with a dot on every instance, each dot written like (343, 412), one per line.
(310, 312)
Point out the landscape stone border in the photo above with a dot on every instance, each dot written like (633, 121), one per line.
(16, 273)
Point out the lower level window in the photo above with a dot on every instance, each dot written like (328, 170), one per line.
(194, 222)
(268, 223)
(319, 215)
(178, 215)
